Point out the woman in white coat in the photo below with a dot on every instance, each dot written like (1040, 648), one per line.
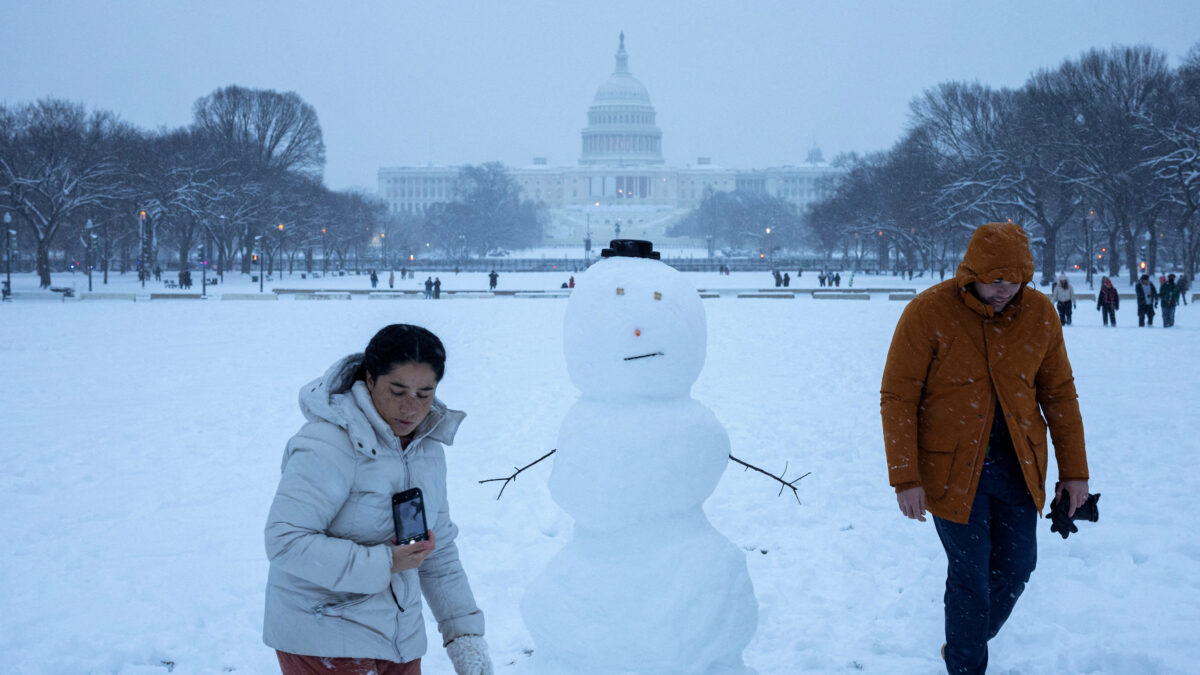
(341, 597)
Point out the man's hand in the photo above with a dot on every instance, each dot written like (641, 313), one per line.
(1077, 491)
(912, 502)
(410, 556)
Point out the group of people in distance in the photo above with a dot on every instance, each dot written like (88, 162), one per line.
(976, 373)
(1167, 296)
(829, 279)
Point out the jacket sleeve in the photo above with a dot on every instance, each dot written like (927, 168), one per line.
(904, 375)
(444, 582)
(313, 488)
(1056, 394)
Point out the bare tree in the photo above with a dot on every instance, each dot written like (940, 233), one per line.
(1110, 94)
(56, 160)
(264, 127)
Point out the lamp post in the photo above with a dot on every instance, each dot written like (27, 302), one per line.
(9, 245)
(281, 251)
(587, 242)
(259, 255)
(324, 255)
(142, 271)
(221, 253)
(383, 240)
(91, 245)
(203, 268)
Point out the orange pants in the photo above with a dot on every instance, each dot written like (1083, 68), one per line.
(295, 664)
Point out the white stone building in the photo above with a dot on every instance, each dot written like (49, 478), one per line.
(621, 186)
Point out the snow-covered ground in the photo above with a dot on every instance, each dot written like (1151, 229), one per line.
(141, 446)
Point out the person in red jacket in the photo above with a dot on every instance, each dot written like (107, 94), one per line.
(1108, 301)
(976, 374)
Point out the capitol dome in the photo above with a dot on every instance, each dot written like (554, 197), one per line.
(621, 121)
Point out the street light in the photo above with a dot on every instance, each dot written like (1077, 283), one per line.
(281, 251)
(142, 271)
(383, 240)
(587, 241)
(91, 245)
(324, 255)
(8, 235)
(259, 255)
(203, 269)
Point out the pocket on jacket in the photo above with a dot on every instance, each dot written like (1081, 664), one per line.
(339, 607)
(1038, 447)
(935, 465)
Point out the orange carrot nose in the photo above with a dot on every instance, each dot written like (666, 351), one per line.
(637, 332)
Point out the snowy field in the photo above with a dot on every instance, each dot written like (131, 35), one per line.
(141, 447)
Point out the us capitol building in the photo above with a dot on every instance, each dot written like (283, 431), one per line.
(621, 186)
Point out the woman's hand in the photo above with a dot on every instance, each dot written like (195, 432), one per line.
(410, 556)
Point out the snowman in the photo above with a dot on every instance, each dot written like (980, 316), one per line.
(646, 584)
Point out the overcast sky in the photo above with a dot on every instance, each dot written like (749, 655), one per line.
(750, 84)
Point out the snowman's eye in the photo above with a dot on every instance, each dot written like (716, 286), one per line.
(657, 295)
(620, 291)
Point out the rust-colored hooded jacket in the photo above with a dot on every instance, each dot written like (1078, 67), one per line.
(952, 358)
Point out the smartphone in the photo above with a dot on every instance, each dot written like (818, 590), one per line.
(408, 512)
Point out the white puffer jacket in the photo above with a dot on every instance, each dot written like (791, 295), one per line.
(330, 590)
(1061, 293)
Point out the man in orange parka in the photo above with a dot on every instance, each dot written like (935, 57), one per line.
(976, 372)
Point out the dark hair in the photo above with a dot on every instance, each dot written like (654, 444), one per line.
(402, 343)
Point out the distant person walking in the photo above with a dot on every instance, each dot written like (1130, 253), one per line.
(571, 282)
(1064, 299)
(392, 279)
(492, 277)
(374, 279)
(1108, 301)
(821, 279)
(1168, 298)
(428, 288)
(1184, 286)
(837, 279)
(778, 278)
(437, 288)
(1147, 298)
(787, 280)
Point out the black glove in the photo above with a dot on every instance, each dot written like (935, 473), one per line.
(1064, 524)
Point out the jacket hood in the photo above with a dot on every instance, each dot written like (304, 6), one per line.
(330, 398)
(996, 251)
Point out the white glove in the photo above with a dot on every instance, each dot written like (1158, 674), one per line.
(469, 654)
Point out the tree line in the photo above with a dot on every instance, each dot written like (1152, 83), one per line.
(241, 183)
(1098, 159)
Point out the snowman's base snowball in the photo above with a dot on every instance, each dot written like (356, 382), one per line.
(673, 596)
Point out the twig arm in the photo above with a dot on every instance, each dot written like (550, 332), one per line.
(515, 473)
(791, 485)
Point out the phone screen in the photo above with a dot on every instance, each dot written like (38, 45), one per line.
(408, 510)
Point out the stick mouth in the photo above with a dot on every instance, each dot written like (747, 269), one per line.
(643, 356)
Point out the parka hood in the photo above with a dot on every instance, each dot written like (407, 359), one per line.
(996, 251)
(330, 398)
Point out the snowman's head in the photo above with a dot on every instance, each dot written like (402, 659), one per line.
(634, 327)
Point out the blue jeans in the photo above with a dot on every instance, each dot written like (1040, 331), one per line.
(990, 559)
